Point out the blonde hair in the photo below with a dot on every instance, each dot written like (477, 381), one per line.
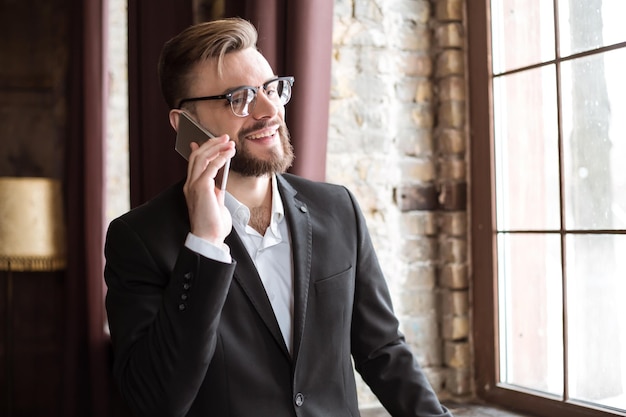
(207, 40)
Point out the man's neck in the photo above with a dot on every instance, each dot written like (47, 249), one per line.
(256, 194)
(253, 192)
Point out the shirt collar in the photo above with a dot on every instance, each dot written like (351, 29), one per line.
(240, 213)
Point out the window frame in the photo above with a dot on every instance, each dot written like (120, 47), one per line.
(483, 232)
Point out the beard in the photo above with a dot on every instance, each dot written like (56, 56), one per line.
(276, 162)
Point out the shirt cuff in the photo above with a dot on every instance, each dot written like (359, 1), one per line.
(207, 249)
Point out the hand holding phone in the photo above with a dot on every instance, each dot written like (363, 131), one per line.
(191, 131)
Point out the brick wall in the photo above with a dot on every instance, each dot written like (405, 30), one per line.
(397, 139)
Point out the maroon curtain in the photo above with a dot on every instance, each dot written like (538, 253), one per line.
(153, 162)
(296, 38)
(88, 384)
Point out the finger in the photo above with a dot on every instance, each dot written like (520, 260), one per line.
(216, 162)
(201, 155)
(213, 167)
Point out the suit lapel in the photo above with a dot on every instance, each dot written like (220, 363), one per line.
(248, 278)
(300, 231)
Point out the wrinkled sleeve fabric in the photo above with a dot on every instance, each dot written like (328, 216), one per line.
(380, 352)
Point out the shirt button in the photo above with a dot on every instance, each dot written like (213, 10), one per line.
(186, 286)
(188, 276)
(182, 306)
(299, 399)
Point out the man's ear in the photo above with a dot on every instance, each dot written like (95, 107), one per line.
(174, 118)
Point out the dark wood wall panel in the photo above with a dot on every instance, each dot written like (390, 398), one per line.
(33, 70)
(34, 64)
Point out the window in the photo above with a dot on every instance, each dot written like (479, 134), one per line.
(548, 148)
(116, 157)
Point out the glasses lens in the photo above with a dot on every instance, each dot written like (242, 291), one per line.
(278, 91)
(240, 101)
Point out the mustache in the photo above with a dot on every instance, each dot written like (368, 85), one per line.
(260, 125)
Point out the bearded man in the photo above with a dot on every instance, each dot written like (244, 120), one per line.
(253, 301)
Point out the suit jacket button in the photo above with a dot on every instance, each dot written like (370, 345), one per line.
(299, 399)
(182, 306)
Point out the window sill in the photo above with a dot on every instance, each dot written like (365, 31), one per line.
(457, 409)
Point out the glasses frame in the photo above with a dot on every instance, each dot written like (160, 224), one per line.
(229, 96)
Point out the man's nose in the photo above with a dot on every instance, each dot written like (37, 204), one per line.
(264, 107)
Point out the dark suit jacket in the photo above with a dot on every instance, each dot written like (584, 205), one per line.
(196, 337)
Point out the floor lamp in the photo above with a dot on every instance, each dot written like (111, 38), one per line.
(32, 238)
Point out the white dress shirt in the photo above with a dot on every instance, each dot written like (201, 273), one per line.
(271, 254)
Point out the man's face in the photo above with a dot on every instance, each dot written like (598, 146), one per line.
(261, 138)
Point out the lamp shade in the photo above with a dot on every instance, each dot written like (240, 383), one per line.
(32, 227)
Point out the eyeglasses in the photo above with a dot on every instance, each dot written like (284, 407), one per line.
(243, 99)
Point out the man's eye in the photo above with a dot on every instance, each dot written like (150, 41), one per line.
(240, 98)
(237, 101)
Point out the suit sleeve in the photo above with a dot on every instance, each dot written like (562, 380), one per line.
(380, 352)
(163, 322)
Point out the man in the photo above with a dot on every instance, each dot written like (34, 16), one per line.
(249, 302)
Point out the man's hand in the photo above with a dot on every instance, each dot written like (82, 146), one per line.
(209, 218)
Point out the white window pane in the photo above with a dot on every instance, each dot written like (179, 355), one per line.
(531, 311)
(596, 283)
(590, 24)
(594, 141)
(522, 33)
(526, 150)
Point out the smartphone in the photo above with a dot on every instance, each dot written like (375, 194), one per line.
(191, 131)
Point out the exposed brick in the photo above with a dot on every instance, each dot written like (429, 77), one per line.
(451, 141)
(398, 139)
(422, 332)
(416, 302)
(453, 223)
(416, 197)
(417, 170)
(415, 142)
(412, 37)
(459, 381)
(414, 64)
(453, 196)
(450, 62)
(452, 250)
(423, 116)
(420, 275)
(454, 276)
(449, 35)
(454, 303)
(451, 114)
(424, 91)
(419, 223)
(449, 10)
(451, 88)
(418, 249)
(458, 355)
(455, 327)
(452, 168)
